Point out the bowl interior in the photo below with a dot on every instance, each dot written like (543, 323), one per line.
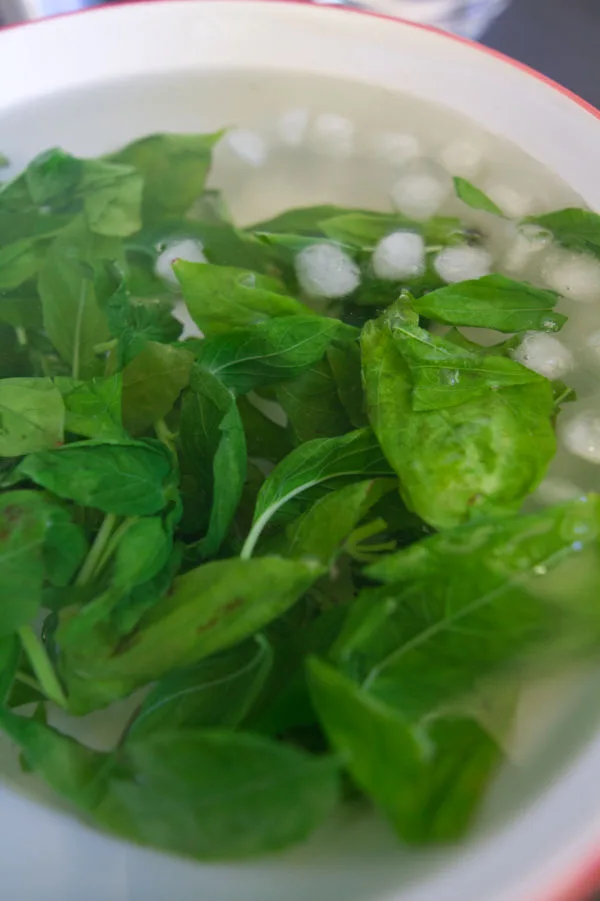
(94, 82)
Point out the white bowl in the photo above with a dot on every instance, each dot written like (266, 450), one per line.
(91, 82)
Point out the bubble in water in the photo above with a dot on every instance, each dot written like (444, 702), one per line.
(449, 376)
(514, 202)
(421, 191)
(581, 436)
(457, 264)
(396, 148)
(554, 490)
(399, 255)
(528, 241)
(540, 569)
(462, 157)
(333, 135)
(574, 275)
(185, 249)
(291, 126)
(248, 146)
(324, 270)
(544, 354)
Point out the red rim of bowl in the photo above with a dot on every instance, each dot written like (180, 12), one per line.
(580, 884)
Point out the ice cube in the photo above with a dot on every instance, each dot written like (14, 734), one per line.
(528, 241)
(399, 255)
(557, 491)
(592, 342)
(457, 264)
(574, 275)
(513, 201)
(544, 354)
(581, 436)
(248, 146)
(291, 126)
(190, 329)
(324, 270)
(186, 249)
(333, 135)
(420, 192)
(462, 157)
(396, 148)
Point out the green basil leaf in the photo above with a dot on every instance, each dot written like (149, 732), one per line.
(573, 228)
(474, 197)
(74, 282)
(344, 360)
(300, 221)
(508, 434)
(174, 169)
(152, 382)
(92, 408)
(269, 352)
(220, 298)
(215, 794)
(19, 262)
(24, 520)
(112, 198)
(141, 553)
(265, 439)
(213, 457)
(322, 530)
(444, 376)
(127, 478)
(32, 416)
(10, 654)
(428, 779)
(365, 230)
(65, 547)
(207, 610)
(475, 603)
(312, 404)
(495, 302)
(350, 457)
(135, 322)
(52, 177)
(217, 691)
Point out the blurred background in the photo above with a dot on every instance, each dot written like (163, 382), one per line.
(558, 37)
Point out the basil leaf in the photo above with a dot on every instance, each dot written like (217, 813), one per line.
(92, 408)
(10, 654)
(312, 404)
(481, 601)
(74, 282)
(427, 778)
(112, 198)
(24, 519)
(444, 376)
(135, 322)
(269, 352)
(213, 456)
(265, 439)
(217, 691)
(174, 169)
(152, 382)
(508, 433)
(220, 298)
(572, 228)
(474, 197)
(209, 794)
(322, 530)
(207, 610)
(65, 547)
(344, 359)
(300, 221)
(32, 416)
(52, 177)
(216, 794)
(495, 302)
(365, 230)
(127, 478)
(351, 457)
(19, 262)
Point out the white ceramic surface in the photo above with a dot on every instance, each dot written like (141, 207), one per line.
(77, 81)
